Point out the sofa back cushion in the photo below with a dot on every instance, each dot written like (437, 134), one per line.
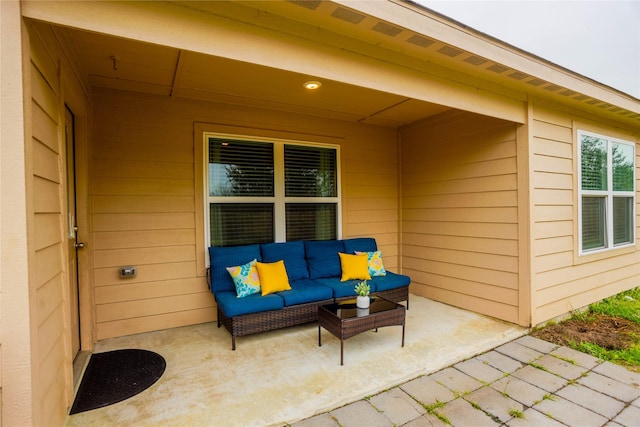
(230, 256)
(293, 255)
(322, 258)
(360, 244)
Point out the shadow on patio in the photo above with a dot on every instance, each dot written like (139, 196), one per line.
(281, 377)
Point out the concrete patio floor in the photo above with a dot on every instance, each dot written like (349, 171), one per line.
(283, 377)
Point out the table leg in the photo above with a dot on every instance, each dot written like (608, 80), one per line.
(403, 334)
(341, 352)
(319, 337)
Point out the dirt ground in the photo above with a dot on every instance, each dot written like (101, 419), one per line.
(612, 333)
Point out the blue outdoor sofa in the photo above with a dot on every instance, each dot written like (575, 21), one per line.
(314, 272)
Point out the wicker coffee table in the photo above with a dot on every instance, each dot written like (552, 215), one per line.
(344, 320)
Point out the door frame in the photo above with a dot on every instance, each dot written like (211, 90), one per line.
(73, 282)
(86, 301)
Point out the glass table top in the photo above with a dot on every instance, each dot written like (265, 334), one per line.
(347, 309)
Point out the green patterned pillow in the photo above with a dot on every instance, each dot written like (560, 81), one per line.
(374, 262)
(246, 279)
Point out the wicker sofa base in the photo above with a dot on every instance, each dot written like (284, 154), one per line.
(299, 314)
(396, 295)
(263, 321)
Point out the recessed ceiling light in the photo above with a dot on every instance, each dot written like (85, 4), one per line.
(312, 85)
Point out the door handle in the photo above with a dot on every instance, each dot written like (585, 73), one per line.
(79, 245)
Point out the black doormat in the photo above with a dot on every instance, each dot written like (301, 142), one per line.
(114, 376)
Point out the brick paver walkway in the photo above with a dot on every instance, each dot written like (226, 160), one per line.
(526, 382)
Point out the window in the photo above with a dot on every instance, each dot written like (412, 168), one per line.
(262, 191)
(607, 192)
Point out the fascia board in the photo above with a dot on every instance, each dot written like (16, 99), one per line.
(420, 20)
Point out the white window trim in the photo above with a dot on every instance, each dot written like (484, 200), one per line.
(279, 199)
(608, 194)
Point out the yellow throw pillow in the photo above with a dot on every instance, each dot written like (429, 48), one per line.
(354, 267)
(273, 277)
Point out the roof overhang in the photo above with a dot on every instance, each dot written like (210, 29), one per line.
(387, 62)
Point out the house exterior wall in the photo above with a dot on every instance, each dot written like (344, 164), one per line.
(16, 379)
(147, 203)
(562, 279)
(456, 179)
(47, 251)
(46, 359)
(460, 240)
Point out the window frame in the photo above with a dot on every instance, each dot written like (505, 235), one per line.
(609, 194)
(279, 199)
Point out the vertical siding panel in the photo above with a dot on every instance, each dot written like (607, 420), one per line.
(460, 201)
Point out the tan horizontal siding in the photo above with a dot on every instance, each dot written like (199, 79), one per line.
(146, 202)
(151, 306)
(142, 186)
(473, 244)
(46, 226)
(604, 278)
(143, 221)
(470, 288)
(562, 306)
(572, 276)
(141, 204)
(161, 321)
(151, 272)
(470, 229)
(45, 162)
(479, 214)
(143, 238)
(47, 298)
(488, 305)
(48, 200)
(142, 169)
(458, 271)
(153, 255)
(563, 280)
(132, 291)
(460, 212)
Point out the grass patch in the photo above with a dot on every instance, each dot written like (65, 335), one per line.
(515, 413)
(608, 330)
(431, 409)
(628, 357)
(625, 305)
(535, 365)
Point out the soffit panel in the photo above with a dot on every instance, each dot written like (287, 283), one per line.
(242, 79)
(135, 66)
(112, 58)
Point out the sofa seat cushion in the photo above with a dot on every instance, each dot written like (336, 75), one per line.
(233, 256)
(389, 281)
(232, 306)
(360, 244)
(305, 291)
(322, 258)
(292, 253)
(343, 289)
